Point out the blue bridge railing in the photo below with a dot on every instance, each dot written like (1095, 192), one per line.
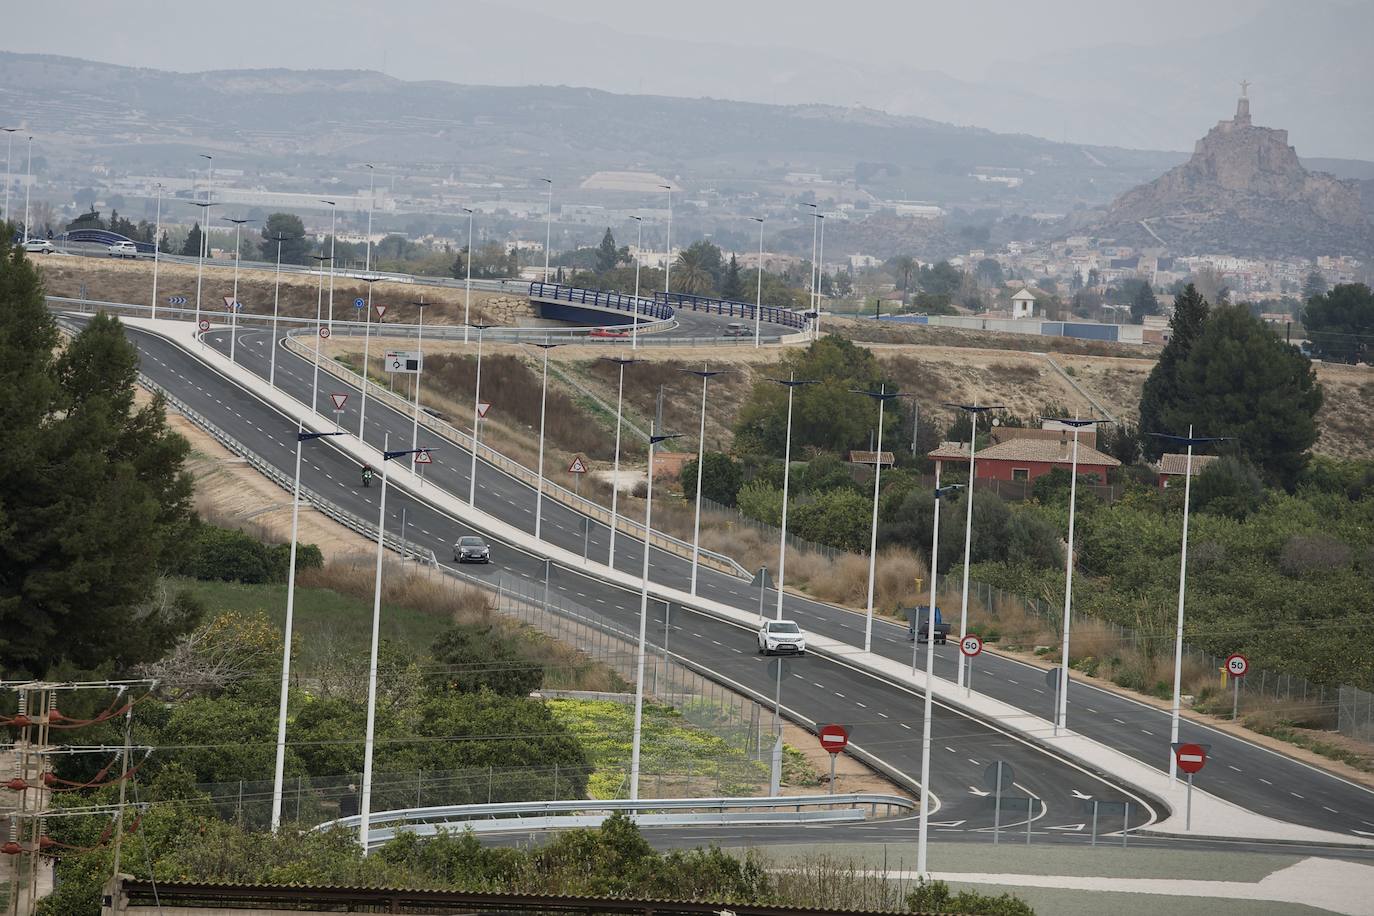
(769, 313)
(649, 308)
(104, 237)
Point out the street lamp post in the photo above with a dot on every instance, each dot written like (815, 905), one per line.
(922, 828)
(882, 396)
(157, 243)
(548, 226)
(643, 620)
(1061, 687)
(476, 418)
(973, 411)
(621, 363)
(639, 248)
(9, 166)
(28, 186)
(820, 273)
(1189, 440)
(420, 351)
(370, 279)
(301, 436)
(792, 383)
(467, 282)
(758, 296)
(365, 809)
(705, 375)
(276, 306)
(234, 307)
(204, 248)
(815, 235)
(668, 253)
(320, 329)
(333, 213)
(543, 402)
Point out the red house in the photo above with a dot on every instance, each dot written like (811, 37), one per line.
(1025, 459)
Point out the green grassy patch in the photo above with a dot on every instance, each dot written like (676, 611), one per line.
(1316, 745)
(324, 620)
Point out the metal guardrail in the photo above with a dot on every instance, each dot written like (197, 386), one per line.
(515, 469)
(599, 298)
(662, 811)
(770, 313)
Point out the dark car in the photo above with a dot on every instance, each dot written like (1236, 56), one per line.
(471, 549)
(919, 626)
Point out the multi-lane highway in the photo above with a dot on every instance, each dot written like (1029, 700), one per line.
(885, 718)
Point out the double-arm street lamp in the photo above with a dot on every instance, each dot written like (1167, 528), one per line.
(792, 383)
(234, 306)
(639, 248)
(476, 417)
(320, 330)
(705, 375)
(276, 308)
(546, 346)
(758, 295)
(620, 363)
(882, 396)
(548, 226)
(974, 411)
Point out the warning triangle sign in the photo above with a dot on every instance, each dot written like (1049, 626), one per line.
(482, 408)
(578, 466)
(339, 400)
(381, 311)
(423, 458)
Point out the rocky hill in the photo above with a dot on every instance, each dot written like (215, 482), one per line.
(1243, 192)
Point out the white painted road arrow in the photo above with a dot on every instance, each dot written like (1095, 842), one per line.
(945, 823)
(1068, 827)
(979, 792)
(1078, 794)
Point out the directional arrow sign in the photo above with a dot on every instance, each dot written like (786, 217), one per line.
(176, 300)
(339, 400)
(381, 310)
(482, 408)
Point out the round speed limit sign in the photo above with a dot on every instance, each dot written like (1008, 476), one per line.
(324, 332)
(1237, 665)
(971, 645)
(205, 324)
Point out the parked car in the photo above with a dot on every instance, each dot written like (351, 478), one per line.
(471, 549)
(737, 329)
(39, 246)
(781, 637)
(919, 626)
(123, 250)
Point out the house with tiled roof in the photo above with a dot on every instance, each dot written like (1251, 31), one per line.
(1025, 459)
(1172, 466)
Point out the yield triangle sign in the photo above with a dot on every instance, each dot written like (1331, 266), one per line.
(339, 400)
(578, 466)
(422, 457)
(381, 311)
(482, 408)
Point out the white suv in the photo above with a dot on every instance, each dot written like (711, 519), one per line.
(123, 250)
(781, 636)
(39, 246)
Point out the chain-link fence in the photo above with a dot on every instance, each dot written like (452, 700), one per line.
(1355, 715)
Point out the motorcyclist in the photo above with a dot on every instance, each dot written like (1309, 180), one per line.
(367, 475)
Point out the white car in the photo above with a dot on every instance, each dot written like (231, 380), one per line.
(781, 637)
(123, 250)
(39, 246)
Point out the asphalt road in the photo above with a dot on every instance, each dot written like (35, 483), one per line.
(884, 718)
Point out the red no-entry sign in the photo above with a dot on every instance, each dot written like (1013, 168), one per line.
(1191, 757)
(834, 738)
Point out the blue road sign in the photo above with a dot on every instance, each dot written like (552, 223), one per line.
(359, 303)
(176, 300)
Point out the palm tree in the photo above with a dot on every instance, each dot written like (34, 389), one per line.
(690, 274)
(904, 266)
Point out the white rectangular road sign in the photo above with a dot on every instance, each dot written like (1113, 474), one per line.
(407, 362)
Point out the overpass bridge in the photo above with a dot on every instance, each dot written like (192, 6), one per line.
(558, 302)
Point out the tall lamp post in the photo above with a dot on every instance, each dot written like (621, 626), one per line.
(922, 829)
(28, 186)
(668, 253)
(882, 396)
(705, 375)
(543, 402)
(157, 243)
(320, 330)
(815, 235)
(820, 274)
(276, 307)
(234, 308)
(204, 232)
(792, 383)
(621, 363)
(9, 166)
(333, 213)
(973, 411)
(548, 226)
(365, 809)
(639, 247)
(643, 620)
(467, 281)
(1189, 440)
(1061, 687)
(476, 418)
(419, 349)
(758, 296)
(301, 436)
(370, 280)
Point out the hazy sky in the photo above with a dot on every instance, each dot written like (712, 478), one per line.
(1036, 67)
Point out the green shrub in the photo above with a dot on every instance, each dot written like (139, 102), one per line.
(227, 555)
(469, 658)
(936, 897)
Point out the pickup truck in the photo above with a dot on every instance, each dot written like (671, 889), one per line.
(919, 624)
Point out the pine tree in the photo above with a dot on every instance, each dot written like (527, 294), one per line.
(1313, 286)
(93, 500)
(1161, 388)
(607, 255)
(732, 287)
(1144, 303)
(191, 248)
